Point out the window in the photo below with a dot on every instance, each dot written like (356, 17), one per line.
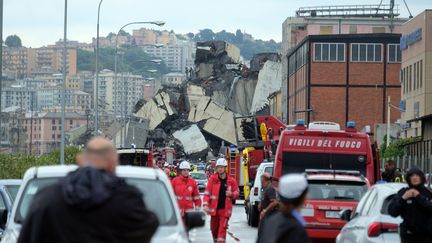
(353, 29)
(329, 52)
(369, 202)
(326, 30)
(378, 29)
(53, 136)
(53, 121)
(70, 122)
(410, 78)
(415, 76)
(394, 53)
(421, 73)
(366, 52)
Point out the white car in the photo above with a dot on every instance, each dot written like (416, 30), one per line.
(371, 222)
(153, 183)
(251, 205)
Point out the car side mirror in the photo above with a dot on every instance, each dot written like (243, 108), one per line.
(3, 218)
(195, 219)
(345, 214)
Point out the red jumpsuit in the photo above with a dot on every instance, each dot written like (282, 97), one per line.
(187, 193)
(219, 217)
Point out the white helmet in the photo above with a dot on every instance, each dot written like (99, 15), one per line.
(184, 165)
(221, 162)
(166, 164)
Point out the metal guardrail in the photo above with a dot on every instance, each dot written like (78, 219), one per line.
(383, 10)
(406, 162)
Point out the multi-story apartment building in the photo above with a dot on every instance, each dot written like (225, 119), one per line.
(334, 20)
(19, 96)
(52, 57)
(15, 61)
(43, 129)
(416, 80)
(176, 56)
(49, 98)
(113, 95)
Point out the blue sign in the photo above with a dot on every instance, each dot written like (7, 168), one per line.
(410, 39)
(402, 105)
(406, 125)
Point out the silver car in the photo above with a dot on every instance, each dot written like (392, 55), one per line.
(158, 196)
(201, 180)
(371, 222)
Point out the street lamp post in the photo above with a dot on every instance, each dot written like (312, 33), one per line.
(96, 94)
(158, 23)
(62, 142)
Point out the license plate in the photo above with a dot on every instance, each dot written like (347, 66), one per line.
(332, 214)
(307, 212)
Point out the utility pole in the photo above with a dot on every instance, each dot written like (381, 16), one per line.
(62, 142)
(97, 76)
(388, 121)
(1, 64)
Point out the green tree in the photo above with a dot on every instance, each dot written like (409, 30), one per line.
(13, 41)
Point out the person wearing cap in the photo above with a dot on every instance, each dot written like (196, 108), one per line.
(186, 190)
(287, 225)
(414, 205)
(219, 195)
(268, 201)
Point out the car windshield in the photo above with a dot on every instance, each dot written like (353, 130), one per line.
(13, 190)
(294, 162)
(198, 176)
(158, 200)
(336, 190)
(269, 170)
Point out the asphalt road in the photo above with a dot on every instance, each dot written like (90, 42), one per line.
(237, 225)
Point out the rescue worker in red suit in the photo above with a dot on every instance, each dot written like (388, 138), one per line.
(219, 195)
(186, 190)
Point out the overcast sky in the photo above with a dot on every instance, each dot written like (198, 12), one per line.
(40, 22)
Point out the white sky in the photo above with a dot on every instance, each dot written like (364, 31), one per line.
(40, 22)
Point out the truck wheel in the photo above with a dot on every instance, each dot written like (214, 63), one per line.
(254, 216)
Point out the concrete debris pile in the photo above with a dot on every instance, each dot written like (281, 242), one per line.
(198, 116)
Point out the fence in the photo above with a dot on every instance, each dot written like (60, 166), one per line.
(408, 161)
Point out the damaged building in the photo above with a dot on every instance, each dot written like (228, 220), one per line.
(197, 116)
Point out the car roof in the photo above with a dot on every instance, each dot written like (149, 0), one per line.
(10, 182)
(121, 171)
(389, 188)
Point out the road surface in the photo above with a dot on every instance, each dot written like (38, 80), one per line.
(237, 225)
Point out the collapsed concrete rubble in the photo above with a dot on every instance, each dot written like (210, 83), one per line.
(198, 116)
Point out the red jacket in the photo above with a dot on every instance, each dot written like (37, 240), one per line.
(211, 194)
(187, 193)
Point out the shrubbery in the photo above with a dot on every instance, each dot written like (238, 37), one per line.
(13, 166)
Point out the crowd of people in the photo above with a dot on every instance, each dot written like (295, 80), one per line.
(92, 204)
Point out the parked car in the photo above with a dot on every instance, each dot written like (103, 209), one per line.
(6, 202)
(201, 180)
(330, 191)
(158, 196)
(251, 205)
(371, 222)
(12, 186)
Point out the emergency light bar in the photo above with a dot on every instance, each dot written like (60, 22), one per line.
(333, 172)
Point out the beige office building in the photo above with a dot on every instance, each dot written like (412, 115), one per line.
(416, 76)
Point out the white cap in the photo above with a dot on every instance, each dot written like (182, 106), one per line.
(221, 162)
(184, 165)
(292, 186)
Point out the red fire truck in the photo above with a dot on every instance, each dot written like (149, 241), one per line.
(340, 165)
(257, 139)
(147, 157)
(324, 146)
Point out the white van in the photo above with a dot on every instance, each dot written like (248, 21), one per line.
(255, 194)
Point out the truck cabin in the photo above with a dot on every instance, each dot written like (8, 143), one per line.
(135, 157)
(324, 146)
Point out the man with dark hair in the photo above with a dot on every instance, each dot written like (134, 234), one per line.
(414, 205)
(287, 225)
(268, 196)
(391, 173)
(90, 204)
